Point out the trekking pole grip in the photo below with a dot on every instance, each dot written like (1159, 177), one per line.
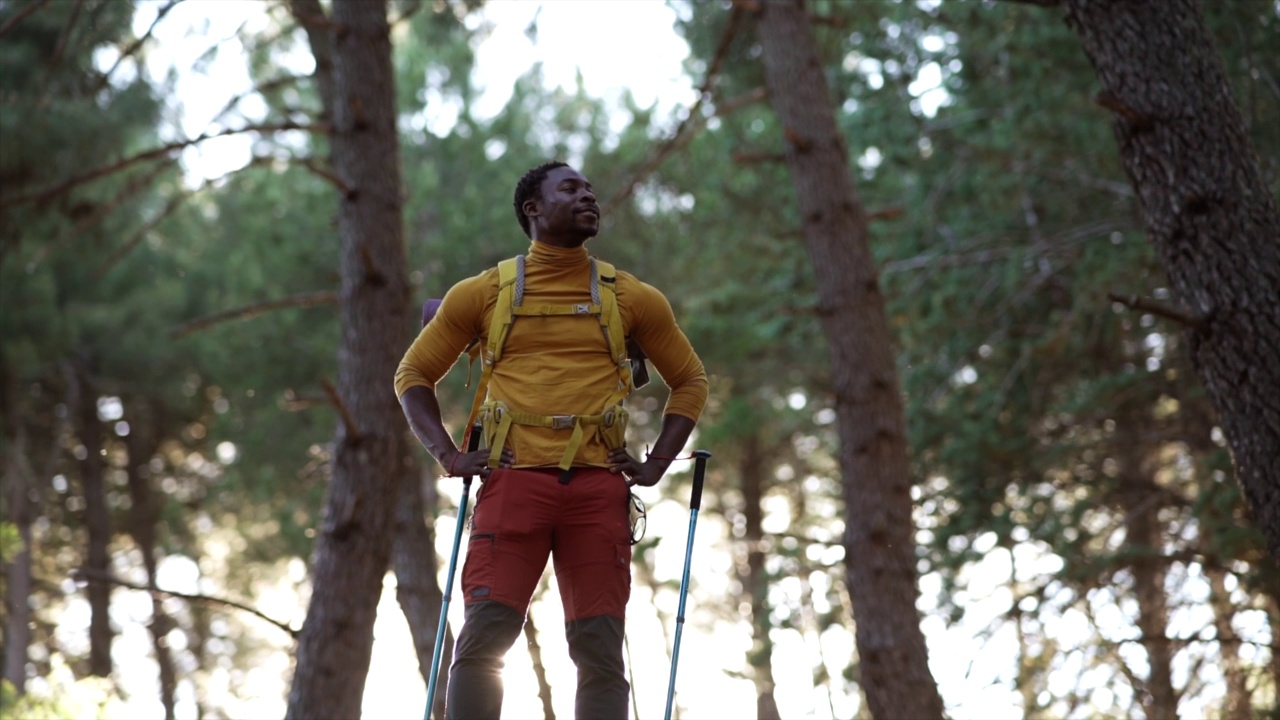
(699, 475)
(473, 444)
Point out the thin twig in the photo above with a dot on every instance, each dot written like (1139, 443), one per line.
(66, 34)
(1168, 312)
(678, 138)
(91, 175)
(349, 422)
(323, 297)
(175, 201)
(135, 45)
(260, 88)
(13, 21)
(135, 186)
(754, 157)
(89, 574)
(332, 177)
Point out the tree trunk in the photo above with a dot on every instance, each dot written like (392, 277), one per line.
(1208, 211)
(879, 542)
(1238, 703)
(414, 562)
(97, 521)
(1140, 500)
(754, 582)
(143, 515)
(354, 548)
(19, 483)
(539, 669)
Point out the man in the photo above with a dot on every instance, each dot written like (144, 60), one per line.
(561, 482)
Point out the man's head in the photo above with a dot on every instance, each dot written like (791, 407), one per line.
(555, 204)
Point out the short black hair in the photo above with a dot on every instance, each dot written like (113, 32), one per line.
(529, 186)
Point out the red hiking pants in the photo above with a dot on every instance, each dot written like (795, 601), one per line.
(581, 520)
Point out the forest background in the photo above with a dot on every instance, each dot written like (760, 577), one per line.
(199, 435)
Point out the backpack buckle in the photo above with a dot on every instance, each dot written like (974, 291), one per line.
(581, 309)
(563, 422)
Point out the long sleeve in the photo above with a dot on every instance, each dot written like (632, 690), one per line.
(439, 344)
(652, 324)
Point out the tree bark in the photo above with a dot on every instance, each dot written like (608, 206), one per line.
(416, 568)
(18, 485)
(353, 550)
(1208, 211)
(143, 515)
(539, 668)
(754, 582)
(96, 520)
(879, 542)
(1237, 704)
(1140, 502)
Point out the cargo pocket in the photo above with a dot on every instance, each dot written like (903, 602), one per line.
(478, 572)
(622, 556)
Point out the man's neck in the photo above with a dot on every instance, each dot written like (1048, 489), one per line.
(567, 243)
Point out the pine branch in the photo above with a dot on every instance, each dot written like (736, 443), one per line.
(135, 186)
(332, 177)
(348, 421)
(1198, 322)
(679, 138)
(74, 181)
(262, 87)
(135, 45)
(323, 297)
(92, 575)
(66, 35)
(22, 14)
(175, 201)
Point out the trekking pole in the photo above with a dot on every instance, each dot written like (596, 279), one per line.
(699, 473)
(472, 446)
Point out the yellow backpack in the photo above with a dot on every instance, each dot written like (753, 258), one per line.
(496, 418)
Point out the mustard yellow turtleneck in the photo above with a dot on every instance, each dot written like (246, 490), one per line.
(556, 365)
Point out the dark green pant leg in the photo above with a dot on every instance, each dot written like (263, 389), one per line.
(489, 629)
(595, 645)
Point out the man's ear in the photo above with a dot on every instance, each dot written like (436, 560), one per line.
(530, 208)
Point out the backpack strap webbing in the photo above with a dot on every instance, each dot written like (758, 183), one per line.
(510, 305)
(510, 293)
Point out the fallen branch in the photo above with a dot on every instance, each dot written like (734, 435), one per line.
(324, 297)
(91, 575)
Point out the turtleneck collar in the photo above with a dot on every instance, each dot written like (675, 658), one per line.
(552, 255)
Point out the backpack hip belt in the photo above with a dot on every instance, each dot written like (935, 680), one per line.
(496, 420)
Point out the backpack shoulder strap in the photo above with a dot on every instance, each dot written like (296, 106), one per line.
(604, 290)
(510, 294)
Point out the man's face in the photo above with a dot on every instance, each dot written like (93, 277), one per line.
(566, 208)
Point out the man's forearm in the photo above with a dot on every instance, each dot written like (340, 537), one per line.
(422, 410)
(675, 432)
